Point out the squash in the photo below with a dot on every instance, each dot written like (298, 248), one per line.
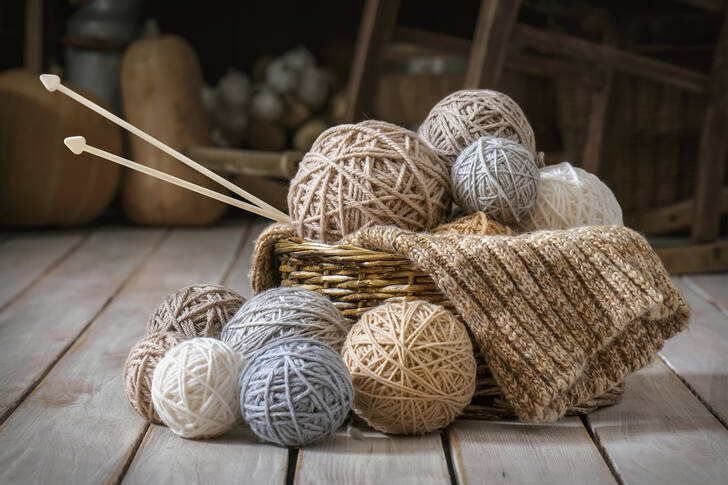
(161, 88)
(41, 182)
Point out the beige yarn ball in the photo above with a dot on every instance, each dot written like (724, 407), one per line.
(196, 311)
(195, 388)
(571, 197)
(139, 368)
(462, 117)
(412, 366)
(366, 174)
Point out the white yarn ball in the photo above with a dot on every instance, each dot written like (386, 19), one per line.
(195, 388)
(571, 197)
(299, 58)
(497, 176)
(234, 88)
(267, 105)
(281, 76)
(314, 87)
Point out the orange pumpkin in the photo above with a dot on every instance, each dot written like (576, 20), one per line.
(41, 182)
(161, 86)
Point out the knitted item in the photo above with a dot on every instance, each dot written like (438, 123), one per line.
(560, 316)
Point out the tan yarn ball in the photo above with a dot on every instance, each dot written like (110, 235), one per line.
(367, 174)
(475, 224)
(412, 367)
(139, 368)
(196, 311)
(462, 117)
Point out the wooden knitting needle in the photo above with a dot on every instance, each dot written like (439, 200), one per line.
(77, 144)
(53, 83)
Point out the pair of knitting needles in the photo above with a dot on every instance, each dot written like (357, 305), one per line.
(78, 145)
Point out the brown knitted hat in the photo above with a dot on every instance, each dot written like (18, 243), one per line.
(560, 316)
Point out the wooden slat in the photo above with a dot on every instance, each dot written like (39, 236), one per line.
(695, 259)
(513, 452)
(699, 355)
(36, 328)
(166, 458)
(609, 57)
(76, 427)
(676, 216)
(490, 43)
(236, 457)
(26, 257)
(235, 161)
(713, 148)
(592, 157)
(714, 288)
(33, 54)
(373, 458)
(660, 433)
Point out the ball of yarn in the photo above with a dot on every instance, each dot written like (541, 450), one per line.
(195, 311)
(267, 105)
(464, 116)
(139, 368)
(282, 76)
(497, 176)
(299, 58)
(478, 224)
(366, 174)
(314, 87)
(195, 388)
(281, 313)
(412, 366)
(295, 392)
(571, 197)
(234, 88)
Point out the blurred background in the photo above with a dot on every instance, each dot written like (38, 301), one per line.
(634, 91)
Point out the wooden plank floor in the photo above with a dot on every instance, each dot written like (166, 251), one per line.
(72, 303)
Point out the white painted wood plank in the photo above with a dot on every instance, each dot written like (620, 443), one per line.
(699, 355)
(38, 326)
(661, 434)
(166, 458)
(373, 458)
(76, 427)
(27, 256)
(238, 278)
(715, 286)
(510, 452)
(236, 457)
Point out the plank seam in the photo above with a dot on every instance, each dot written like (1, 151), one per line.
(238, 252)
(704, 295)
(693, 391)
(445, 440)
(292, 465)
(601, 449)
(54, 264)
(36, 382)
(133, 453)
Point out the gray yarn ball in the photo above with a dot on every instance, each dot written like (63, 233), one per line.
(497, 176)
(281, 313)
(296, 392)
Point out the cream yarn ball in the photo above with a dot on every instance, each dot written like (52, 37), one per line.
(195, 388)
(464, 116)
(497, 176)
(282, 313)
(571, 197)
(412, 366)
(366, 174)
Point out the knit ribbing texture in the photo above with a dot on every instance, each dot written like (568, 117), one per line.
(560, 316)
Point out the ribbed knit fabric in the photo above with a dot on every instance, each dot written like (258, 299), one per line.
(559, 315)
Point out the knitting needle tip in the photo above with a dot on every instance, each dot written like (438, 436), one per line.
(76, 144)
(50, 81)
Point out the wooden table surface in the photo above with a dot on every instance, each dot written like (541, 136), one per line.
(72, 303)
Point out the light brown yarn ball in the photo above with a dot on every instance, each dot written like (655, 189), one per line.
(139, 369)
(196, 311)
(412, 367)
(462, 117)
(478, 224)
(366, 174)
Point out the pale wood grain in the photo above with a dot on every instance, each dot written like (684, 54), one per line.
(38, 326)
(236, 457)
(513, 452)
(77, 427)
(166, 458)
(373, 458)
(699, 355)
(24, 258)
(660, 433)
(714, 286)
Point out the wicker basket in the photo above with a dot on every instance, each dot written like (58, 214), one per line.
(357, 279)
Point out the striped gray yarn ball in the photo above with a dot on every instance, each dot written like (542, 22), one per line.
(281, 313)
(296, 392)
(497, 176)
